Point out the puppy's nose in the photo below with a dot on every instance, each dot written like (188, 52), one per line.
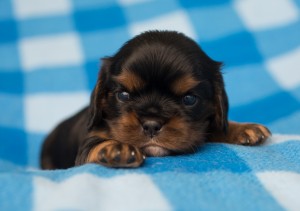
(151, 128)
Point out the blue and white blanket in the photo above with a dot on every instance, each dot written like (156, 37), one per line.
(49, 59)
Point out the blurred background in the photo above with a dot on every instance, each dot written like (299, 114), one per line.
(50, 54)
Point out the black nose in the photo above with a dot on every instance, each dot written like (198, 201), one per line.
(151, 127)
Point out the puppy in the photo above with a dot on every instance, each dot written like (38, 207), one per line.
(159, 95)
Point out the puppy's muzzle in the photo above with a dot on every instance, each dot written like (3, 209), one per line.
(151, 128)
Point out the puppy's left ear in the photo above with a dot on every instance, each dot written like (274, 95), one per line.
(99, 95)
(220, 120)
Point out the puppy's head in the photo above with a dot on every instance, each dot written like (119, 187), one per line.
(159, 92)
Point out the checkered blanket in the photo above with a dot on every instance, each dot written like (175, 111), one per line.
(49, 59)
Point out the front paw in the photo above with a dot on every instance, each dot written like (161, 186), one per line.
(114, 154)
(250, 134)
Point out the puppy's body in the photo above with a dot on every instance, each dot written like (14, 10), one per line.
(61, 147)
(159, 95)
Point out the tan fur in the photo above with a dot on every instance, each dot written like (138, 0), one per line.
(184, 84)
(130, 80)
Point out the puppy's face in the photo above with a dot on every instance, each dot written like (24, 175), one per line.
(160, 93)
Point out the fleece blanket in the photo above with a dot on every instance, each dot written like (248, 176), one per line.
(49, 59)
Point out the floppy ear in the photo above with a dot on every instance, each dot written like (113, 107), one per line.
(220, 121)
(220, 117)
(98, 95)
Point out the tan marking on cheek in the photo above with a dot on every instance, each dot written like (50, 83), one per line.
(177, 125)
(182, 136)
(127, 129)
(184, 84)
(129, 119)
(174, 134)
(130, 80)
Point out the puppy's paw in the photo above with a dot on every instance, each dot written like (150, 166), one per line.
(114, 154)
(249, 134)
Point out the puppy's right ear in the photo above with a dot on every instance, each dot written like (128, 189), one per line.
(99, 95)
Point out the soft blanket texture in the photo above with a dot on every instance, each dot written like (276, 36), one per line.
(49, 59)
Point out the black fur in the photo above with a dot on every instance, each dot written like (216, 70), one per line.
(159, 58)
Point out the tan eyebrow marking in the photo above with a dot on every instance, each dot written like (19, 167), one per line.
(130, 80)
(183, 84)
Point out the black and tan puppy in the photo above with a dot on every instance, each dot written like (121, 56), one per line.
(160, 94)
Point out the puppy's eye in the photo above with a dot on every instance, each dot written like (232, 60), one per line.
(123, 96)
(189, 100)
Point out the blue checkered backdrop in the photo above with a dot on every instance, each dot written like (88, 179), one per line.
(49, 59)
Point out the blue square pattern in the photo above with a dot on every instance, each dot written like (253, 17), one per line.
(92, 69)
(281, 124)
(214, 190)
(103, 43)
(11, 110)
(217, 176)
(99, 18)
(45, 26)
(296, 92)
(211, 157)
(190, 4)
(86, 4)
(149, 9)
(11, 82)
(266, 110)
(284, 39)
(62, 79)
(9, 57)
(18, 195)
(214, 22)
(278, 157)
(8, 31)
(6, 10)
(34, 145)
(13, 145)
(297, 2)
(257, 83)
(234, 50)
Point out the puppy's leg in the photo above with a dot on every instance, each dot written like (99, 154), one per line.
(110, 153)
(243, 133)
